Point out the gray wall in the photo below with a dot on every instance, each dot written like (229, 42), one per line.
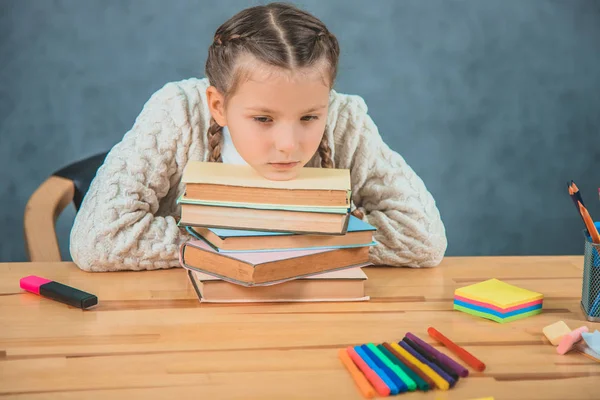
(495, 103)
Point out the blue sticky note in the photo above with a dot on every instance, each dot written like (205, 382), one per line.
(592, 340)
(497, 313)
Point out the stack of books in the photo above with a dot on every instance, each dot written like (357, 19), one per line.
(292, 239)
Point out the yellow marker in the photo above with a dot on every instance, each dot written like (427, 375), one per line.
(435, 377)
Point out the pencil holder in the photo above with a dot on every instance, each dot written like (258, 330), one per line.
(590, 293)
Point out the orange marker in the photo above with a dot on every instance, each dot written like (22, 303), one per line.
(371, 375)
(589, 224)
(363, 384)
(456, 349)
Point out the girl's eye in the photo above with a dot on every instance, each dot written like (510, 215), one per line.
(309, 118)
(262, 120)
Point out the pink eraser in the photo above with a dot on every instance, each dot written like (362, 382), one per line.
(32, 283)
(570, 339)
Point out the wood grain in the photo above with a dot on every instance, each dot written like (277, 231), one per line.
(42, 209)
(150, 338)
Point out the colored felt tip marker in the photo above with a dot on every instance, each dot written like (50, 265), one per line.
(405, 379)
(464, 355)
(391, 380)
(371, 375)
(431, 358)
(58, 292)
(440, 382)
(441, 357)
(434, 367)
(420, 383)
(361, 381)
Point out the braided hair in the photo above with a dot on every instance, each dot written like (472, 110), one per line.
(277, 34)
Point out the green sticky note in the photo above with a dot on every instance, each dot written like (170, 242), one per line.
(405, 378)
(495, 318)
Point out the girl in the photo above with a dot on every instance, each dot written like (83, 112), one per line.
(267, 101)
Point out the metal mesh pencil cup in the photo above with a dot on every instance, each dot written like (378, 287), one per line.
(590, 291)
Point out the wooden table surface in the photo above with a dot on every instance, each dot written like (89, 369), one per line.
(150, 338)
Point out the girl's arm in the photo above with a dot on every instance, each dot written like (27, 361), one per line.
(388, 192)
(117, 227)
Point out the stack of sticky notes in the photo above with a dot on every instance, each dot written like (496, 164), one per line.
(498, 301)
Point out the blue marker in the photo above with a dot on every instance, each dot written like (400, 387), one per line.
(381, 365)
(393, 388)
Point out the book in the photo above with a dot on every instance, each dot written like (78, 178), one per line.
(218, 182)
(183, 199)
(262, 268)
(264, 220)
(344, 285)
(359, 233)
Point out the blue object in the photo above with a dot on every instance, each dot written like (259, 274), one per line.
(371, 363)
(595, 306)
(395, 378)
(354, 225)
(497, 313)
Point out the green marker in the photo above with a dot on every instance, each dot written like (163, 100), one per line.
(421, 384)
(405, 378)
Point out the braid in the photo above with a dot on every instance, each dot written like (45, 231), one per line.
(325, 152)
(215, 140)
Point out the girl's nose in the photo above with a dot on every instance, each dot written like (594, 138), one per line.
(285, 140)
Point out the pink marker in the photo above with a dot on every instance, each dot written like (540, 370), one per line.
(569, 340)
(58, 292)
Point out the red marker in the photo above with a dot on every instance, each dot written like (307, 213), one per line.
(57, 291)
(456, 349)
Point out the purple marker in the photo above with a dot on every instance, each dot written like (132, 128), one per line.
(441, 357)
(431, 365)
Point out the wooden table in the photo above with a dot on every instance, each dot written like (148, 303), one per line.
(150, 337)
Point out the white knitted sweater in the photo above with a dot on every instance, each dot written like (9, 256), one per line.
(127, 220)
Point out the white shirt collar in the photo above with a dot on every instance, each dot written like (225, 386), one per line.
(229, 153)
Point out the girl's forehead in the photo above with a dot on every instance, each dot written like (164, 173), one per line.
(251, 70)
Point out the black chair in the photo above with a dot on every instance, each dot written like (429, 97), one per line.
(69, 184)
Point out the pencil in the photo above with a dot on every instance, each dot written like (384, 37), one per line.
(589, 224)
(363, 384)
(576, 193)
(456, 349)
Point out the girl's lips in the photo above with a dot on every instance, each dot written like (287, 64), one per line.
(287, 165)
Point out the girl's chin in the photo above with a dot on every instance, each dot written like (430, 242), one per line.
(278, 174)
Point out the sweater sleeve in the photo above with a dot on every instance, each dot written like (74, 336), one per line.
(392, 197)
(116, 227)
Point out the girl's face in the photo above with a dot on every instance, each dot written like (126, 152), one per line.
(276, 119)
